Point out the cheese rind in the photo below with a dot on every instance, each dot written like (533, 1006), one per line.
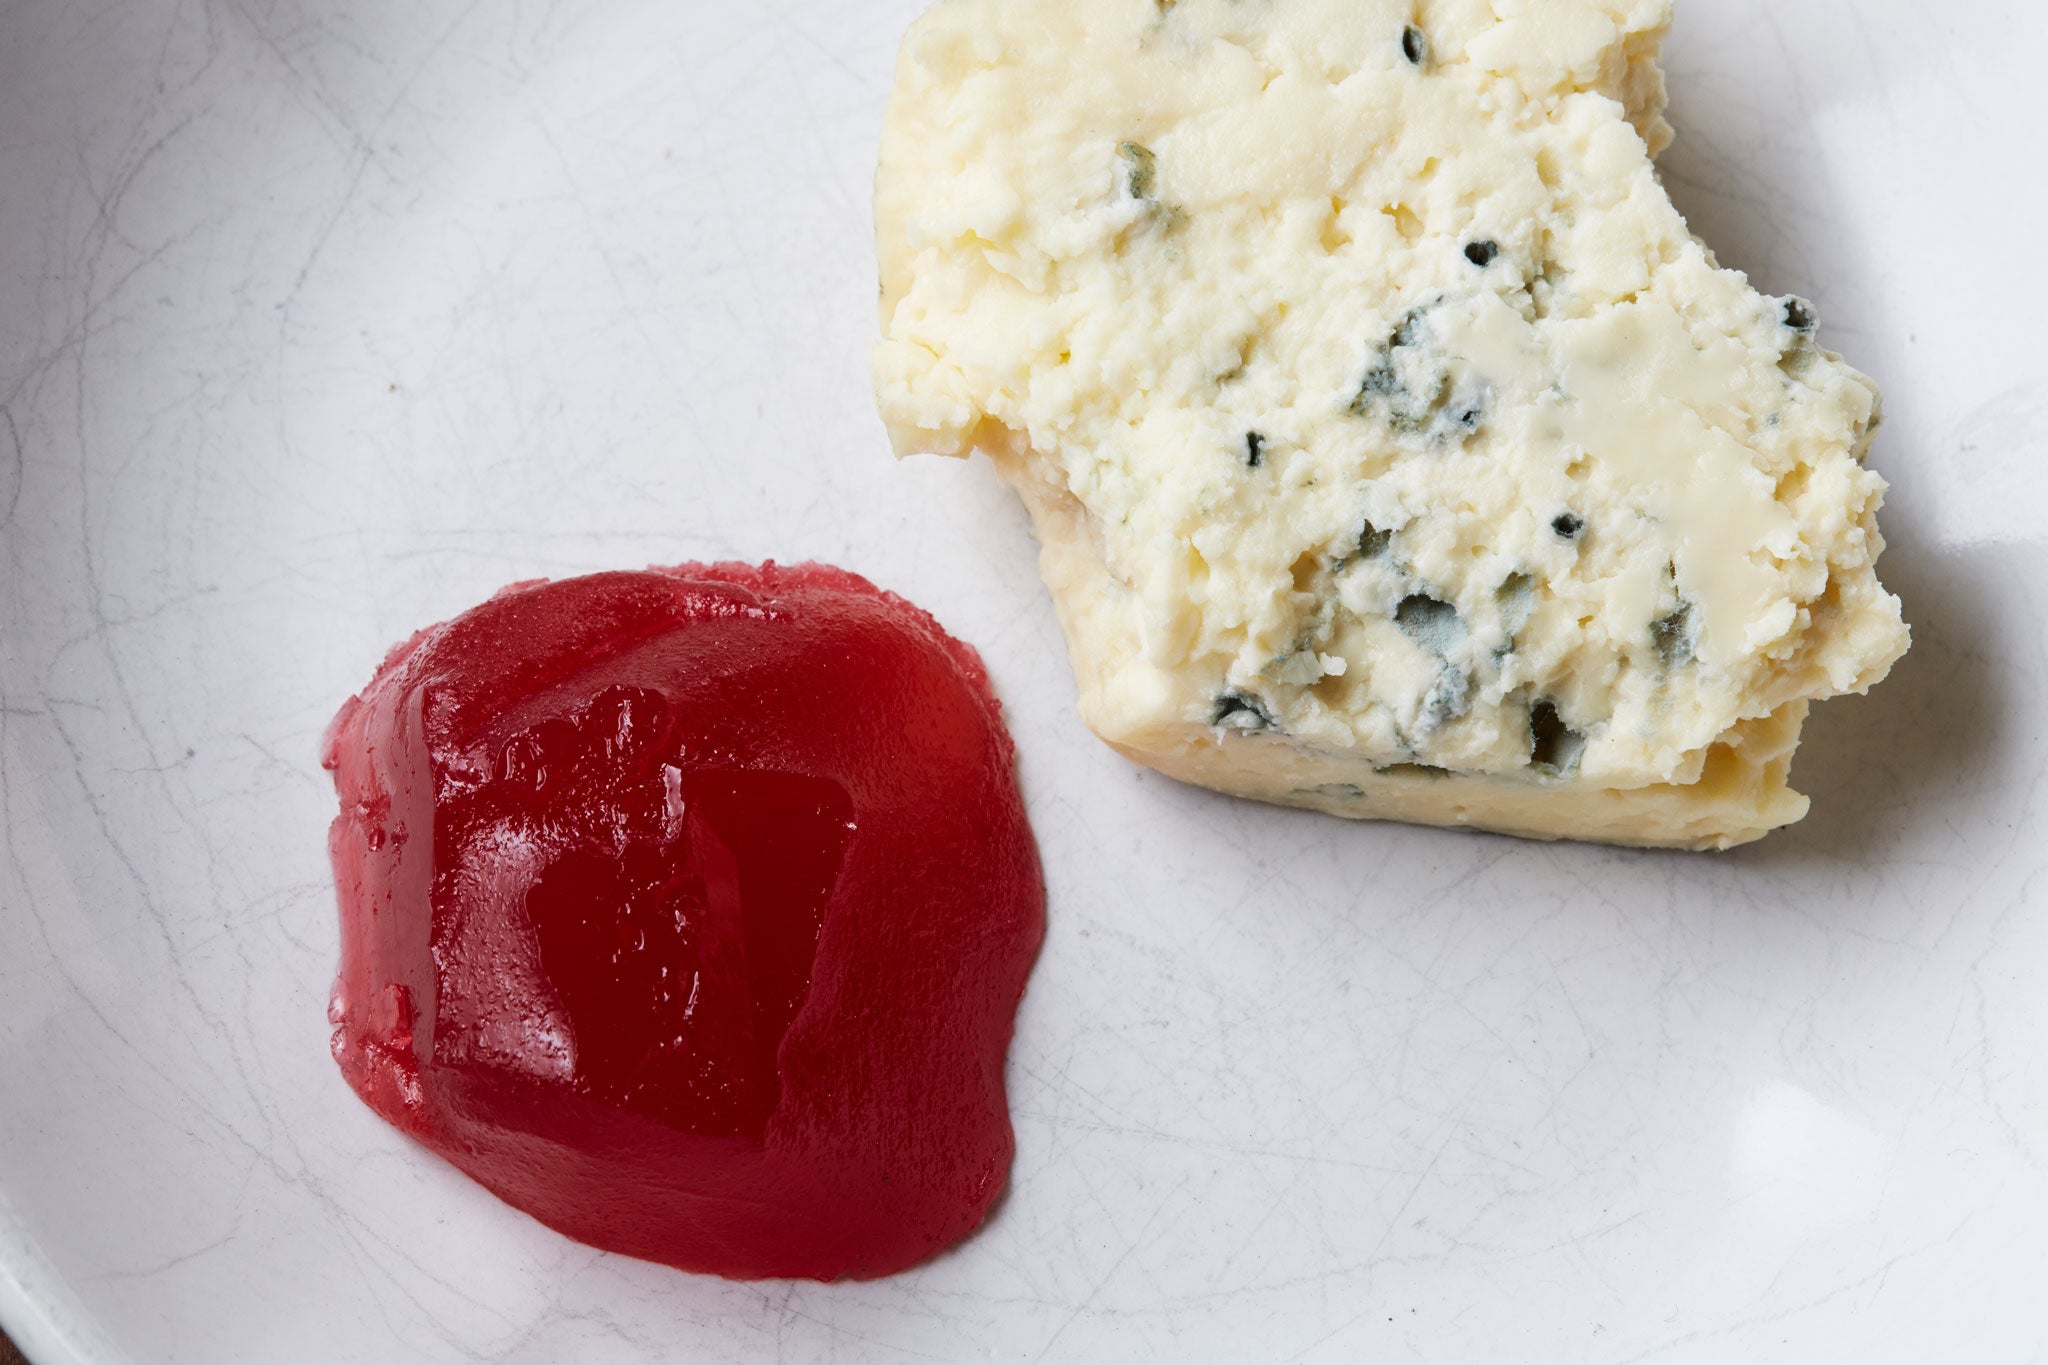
(1393, 447)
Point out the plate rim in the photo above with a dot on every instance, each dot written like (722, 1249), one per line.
(37, 1308)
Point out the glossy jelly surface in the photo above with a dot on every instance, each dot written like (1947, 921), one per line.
(689, 910)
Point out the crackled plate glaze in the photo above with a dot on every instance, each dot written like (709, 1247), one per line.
(318, 323)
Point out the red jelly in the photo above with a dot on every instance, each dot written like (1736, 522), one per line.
(689, 911)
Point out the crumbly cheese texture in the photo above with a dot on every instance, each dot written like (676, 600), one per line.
(1394, 448)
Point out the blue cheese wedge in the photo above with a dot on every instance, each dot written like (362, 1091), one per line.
(1394, 449)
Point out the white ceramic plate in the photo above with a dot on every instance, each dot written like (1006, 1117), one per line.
(319, 322)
